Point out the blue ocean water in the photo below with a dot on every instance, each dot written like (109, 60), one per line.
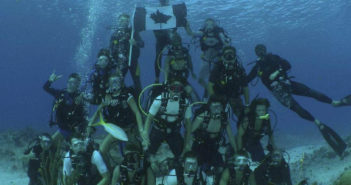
(38, 36)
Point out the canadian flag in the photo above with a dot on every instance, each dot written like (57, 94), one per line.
(159, 18)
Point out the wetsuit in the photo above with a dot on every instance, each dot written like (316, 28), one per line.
(122, 115)
(203, 142)
(229, 84)
(99, 83)
(163, 38)
(35, 164)
(266, 174)
(216, 41)
(119, 46)
(282, 87)
(251, 138)
(180, 55)
(88, 165)
(69, 116)
(211, 46)
(132, 170)
(170, 115)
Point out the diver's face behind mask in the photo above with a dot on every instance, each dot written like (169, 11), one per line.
(175, 89)
(115, 84)
(210, 25)
(229, 59)
(102, 62)
(78, 145)
(260, 50)
(276, 158)
(190, 166)
(123, 21)
(261, 110)
(161, 167)
(45, 142)
(241, 163)
(73, 85)
(216, 108)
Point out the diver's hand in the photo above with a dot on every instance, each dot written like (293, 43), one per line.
(53, 77)
(274, 75)
(31, 155)
(109, 101)
(133, 42)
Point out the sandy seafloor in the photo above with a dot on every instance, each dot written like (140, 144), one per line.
(308, 158)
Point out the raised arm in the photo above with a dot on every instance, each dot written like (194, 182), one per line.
(47, 86)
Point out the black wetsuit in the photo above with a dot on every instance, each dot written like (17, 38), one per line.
(229, 84)
(282, 87)
(38, 162)
(119, 46)
(99, 83)
(266, 174)
(34, 165)
(180, 54)
(251, 138)
(87, 172)
(69, 116)
(203, 143)
(169, 131)
(123, 116)
(132, 170)
(163, 39)
(163, 130)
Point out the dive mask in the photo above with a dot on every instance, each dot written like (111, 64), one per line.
(241, 162)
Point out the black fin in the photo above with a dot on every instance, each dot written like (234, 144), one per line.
(333, 139)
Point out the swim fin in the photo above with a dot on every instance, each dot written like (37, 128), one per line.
(333, 139)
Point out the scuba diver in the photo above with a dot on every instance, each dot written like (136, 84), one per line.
(272, 71)
(209, 125)
(228, 79)
(84, 165)
(237, 171)
(103, 68)
(69, 110)
(273, 170)
(212, 40)
(120, 108)
(192, 173)
(131, 169)
(343, 102)
(38, 153)
(120, 44)
(178, 64)
(171, 109)
(254, 125)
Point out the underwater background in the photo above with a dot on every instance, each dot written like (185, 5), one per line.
(38, 36)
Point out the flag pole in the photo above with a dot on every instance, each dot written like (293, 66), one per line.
(131, 38)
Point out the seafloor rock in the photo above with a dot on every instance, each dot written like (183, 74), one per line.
(344, 179)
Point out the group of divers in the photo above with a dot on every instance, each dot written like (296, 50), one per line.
(199, 134)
